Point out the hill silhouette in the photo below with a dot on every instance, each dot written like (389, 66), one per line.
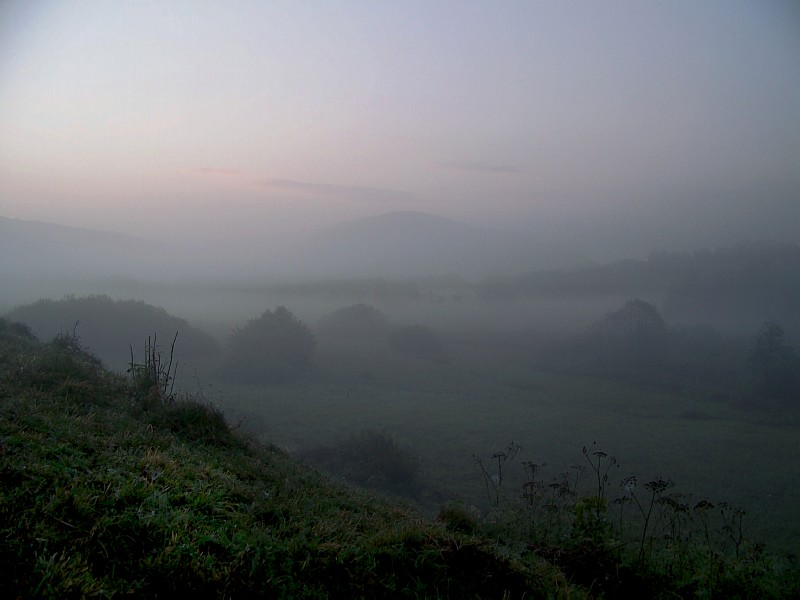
(111, 327)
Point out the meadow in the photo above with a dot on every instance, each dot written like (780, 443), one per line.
(427, 415)
(469, 401)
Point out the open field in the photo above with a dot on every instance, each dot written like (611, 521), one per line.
(469, 401)
(490, 384)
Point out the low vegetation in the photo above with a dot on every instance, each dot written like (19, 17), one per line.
(108, 327)
(111, 486)
(635, 344)
(622, 537)
(726, 286)
(371, 459)
(273, 348)
(105, 491)
(356, 321)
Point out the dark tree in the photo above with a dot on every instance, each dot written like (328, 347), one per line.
(110, 327)
(356, 321)
(275, 347)
(775, 362)
(632, 336)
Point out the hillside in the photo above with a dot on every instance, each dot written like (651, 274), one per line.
(34, 248)
(111, 328)
(47, 258)
(104, 491)
(110, 488)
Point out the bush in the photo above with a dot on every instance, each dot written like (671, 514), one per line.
(370, 459)
(109, 327)
(11, 332)
(457, 516)
(196, 422)
(641, 541)
(16, 343)
(273, 348)
(61, 367)
(630, 337)
(356, 321)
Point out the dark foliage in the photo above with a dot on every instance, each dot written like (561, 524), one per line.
(636, 345)
(273, 348)
(629, 342)
(632, 335)
(371, 459)
(457, 516)
(661, 545)
(726, 287)
(196, 422)
(60, 367)
(109, 327)
(14, 332)
(356, 321)
(16, 340)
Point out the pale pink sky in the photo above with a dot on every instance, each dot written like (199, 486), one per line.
(282, 116)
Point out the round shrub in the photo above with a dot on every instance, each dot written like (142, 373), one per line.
(275, 347)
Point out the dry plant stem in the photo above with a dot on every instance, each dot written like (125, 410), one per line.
(157, 377)
(496, 481)
(602, 476)
(132, 369)
(169, 367)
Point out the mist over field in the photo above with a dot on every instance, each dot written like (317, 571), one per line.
(682, 364)
(400, 240)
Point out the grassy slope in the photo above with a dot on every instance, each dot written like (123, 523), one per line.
(102, 494)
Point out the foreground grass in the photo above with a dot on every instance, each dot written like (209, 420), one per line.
(104, 494)
(110, 489)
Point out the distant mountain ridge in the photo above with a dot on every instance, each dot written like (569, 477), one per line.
(746, 283)
(393, 245)
(46, 260)
(39, 249)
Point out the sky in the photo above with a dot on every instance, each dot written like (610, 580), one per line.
(203, 120)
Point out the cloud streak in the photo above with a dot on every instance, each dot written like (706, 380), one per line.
(478, 167)
(214, 171)
(332, 190)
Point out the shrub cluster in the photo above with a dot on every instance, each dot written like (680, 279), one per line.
(624, 538)
(273, 348)
(109, 327)
(370, 459)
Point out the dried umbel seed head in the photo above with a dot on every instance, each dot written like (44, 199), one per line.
(628, 484)
(658, 485)
(703, 505)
